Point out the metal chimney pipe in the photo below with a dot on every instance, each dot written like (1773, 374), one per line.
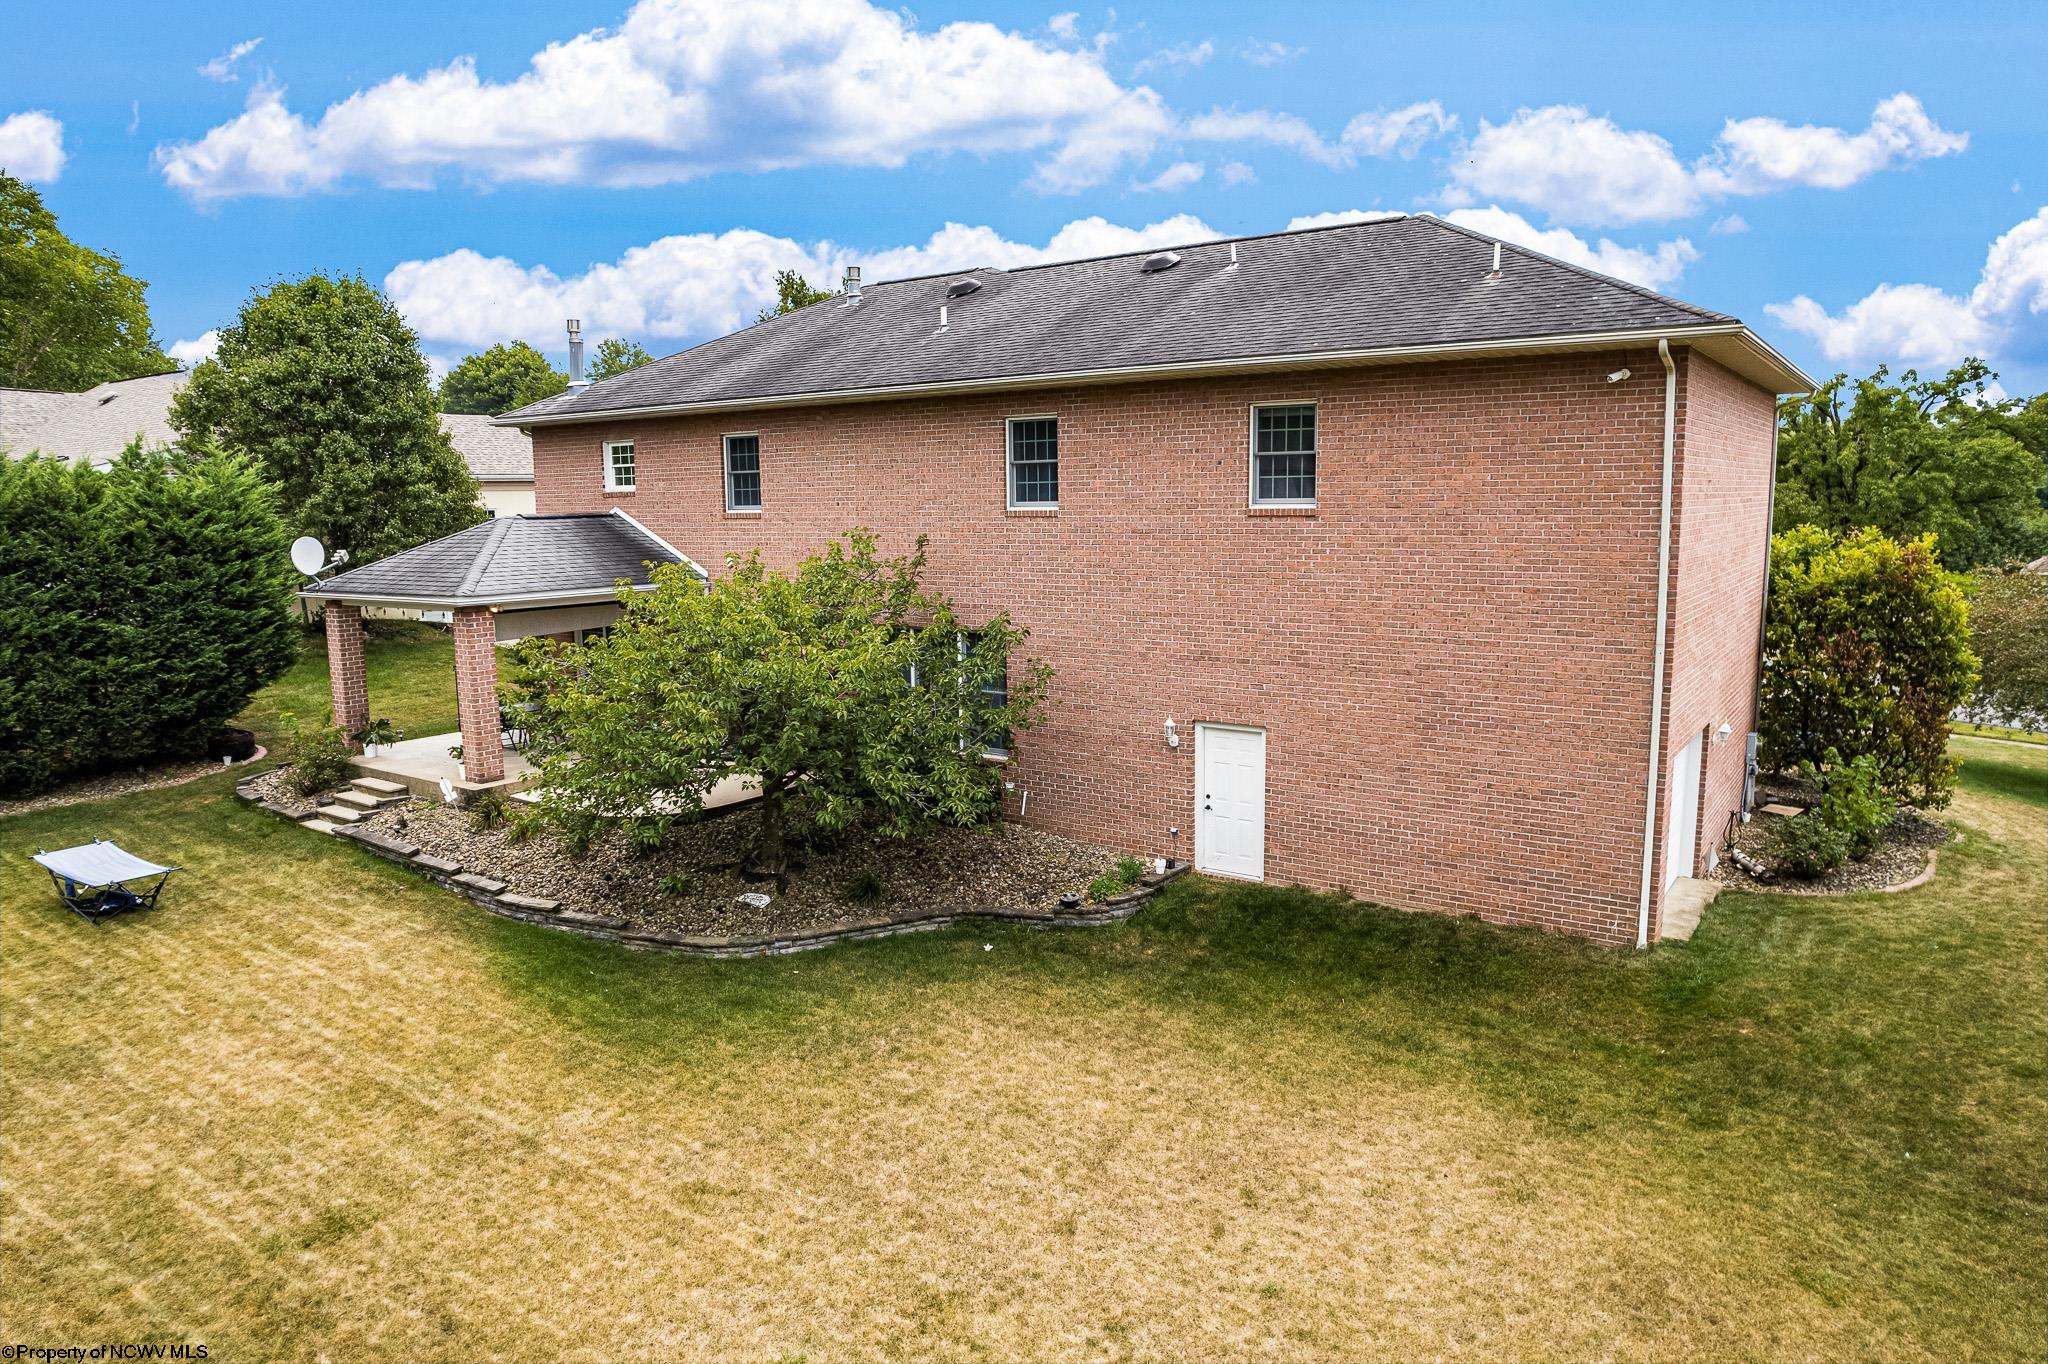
(576, 379)
(852, 284)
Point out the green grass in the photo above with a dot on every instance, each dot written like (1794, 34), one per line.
(315, 1107)
(410, 668)
(2018, 736)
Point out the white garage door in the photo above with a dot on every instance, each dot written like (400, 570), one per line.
(1230, 801)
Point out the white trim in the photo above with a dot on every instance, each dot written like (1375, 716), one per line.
(455, 603)
(1252, 452)
(1009, 460)
(725, 440)
(1663, 626)
(611, 473)
(636, 524)
(1729, 342)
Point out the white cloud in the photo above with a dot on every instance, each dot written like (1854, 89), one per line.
(195, 352)
(1398, 132)
(1236, 173)
(32, 146)
(1265, 125)
(1181, 56)
(1729, 225)
(134, 116)
(222, 68)
(1342, 215)
(705, 284)
(685, 88)
(1179, 175)
(1583, 169)
(1657, 268)
(1066, 27)
(1918, 324)
(1265, 52)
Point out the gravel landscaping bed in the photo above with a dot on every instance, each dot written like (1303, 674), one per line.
(1903, 855)
(948, 870)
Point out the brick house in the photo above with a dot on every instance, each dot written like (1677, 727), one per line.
(1382, 557)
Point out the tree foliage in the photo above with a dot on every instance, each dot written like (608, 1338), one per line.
(792, 291)
(1918, 456)
(140, 608)
(616, 356)
(1866, 652)
(800, 680)
(508, 375)
(322, 383)
(2009, 632)
(70, 317)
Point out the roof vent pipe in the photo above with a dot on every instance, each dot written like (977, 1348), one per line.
(943, 324)
(851, 285)
(1233, 257)
(1496, 262)
(576, 379)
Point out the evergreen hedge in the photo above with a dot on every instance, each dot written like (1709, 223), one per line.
(140, 608)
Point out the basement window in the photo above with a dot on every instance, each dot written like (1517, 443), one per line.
(1284, 455)
(743, 473)
(1034, 461)
(620, 475)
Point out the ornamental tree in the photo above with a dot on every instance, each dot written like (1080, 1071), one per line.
(322, 383)
(2009, 632)
(1866, 651)
(849, 691)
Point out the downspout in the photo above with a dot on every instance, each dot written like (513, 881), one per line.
(1663, 627)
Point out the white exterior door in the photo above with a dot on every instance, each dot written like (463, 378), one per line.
(1230, 801)
(1682, 812)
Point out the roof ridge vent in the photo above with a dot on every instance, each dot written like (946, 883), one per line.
(1159, 260)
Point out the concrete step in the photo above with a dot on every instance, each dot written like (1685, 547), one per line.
(340, 814)
(320, 825)
(365, 800)
(377, 786)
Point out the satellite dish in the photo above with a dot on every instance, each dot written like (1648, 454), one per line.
(309, 556)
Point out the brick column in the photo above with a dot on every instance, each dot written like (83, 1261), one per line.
(476, 693)
(345, 668)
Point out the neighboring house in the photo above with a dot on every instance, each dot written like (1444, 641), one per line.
(1381, 557)
(97, 425)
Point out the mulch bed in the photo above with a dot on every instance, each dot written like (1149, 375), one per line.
(1903, 855)
(127, 783)
(947, 870)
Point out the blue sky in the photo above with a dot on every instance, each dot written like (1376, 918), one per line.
(1863, 185)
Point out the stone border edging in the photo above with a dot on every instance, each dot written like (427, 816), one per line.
(497, 898)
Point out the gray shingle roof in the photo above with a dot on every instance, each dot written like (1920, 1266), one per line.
(510, 558)
(1390, 284)
(493, 453)
(93, 426)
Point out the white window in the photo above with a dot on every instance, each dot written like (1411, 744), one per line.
(743, 472)
(1284, 455)
(1034, 463)
(620, 475)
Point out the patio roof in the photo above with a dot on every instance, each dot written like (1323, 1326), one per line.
(512, 561)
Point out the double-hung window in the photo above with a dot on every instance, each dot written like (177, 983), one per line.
(743, 473)
(620, 474)
(995, 691)
(1284, 455)
(1034, 461)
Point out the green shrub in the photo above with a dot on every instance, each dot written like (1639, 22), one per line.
(1852, 801)
(1130, 871)
(318, 756)
(488, 812)
(2009, 632)
(677, 884)
(523, 827)
(864, 889)
(1806, 846)
(1866, 652)
(140, 608)
(645, 836)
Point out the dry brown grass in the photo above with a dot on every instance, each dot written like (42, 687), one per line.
(315, 1110)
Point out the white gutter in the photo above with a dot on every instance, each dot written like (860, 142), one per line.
(587, 596)
(1734, 333)
(1663, 625)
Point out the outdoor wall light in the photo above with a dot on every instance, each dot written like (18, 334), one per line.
(1172, 734)
(1721, 734)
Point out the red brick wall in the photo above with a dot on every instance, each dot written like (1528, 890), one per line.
(476, 694)
(1450, 654)
(1721, 549)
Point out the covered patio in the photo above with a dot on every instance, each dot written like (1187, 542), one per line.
(513, 578)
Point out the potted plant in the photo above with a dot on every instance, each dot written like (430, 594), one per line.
(378, 735)
(461, 771)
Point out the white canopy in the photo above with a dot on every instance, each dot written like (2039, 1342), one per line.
(98, 864)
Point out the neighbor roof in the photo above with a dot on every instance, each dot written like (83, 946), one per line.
(92, 427)
(495, 454)
(522, 559)
(1390, 289)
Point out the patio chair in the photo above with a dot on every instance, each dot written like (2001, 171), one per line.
(94, 879)
(512, 726)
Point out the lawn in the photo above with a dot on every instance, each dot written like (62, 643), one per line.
(410, 672)
(315, 1109)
